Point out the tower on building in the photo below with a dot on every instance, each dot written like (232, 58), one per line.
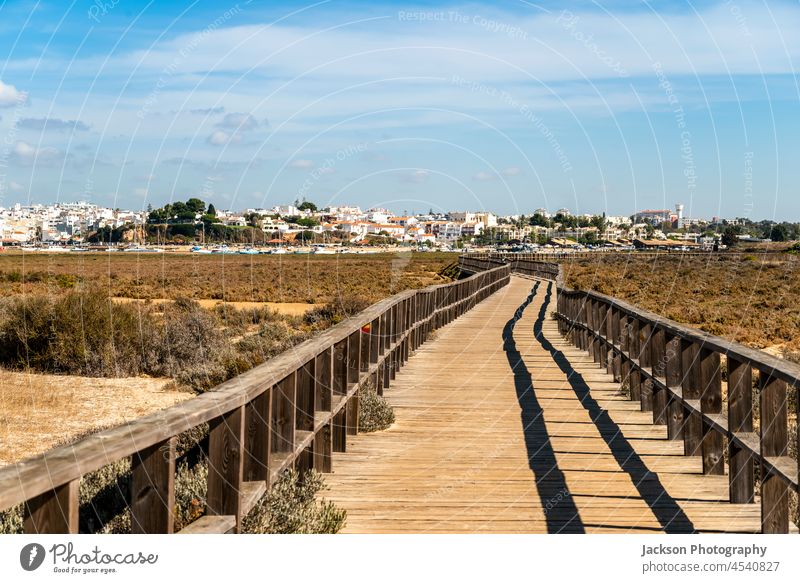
(679, 211)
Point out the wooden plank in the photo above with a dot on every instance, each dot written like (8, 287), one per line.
(211, 525)
(340, 367)
(774, 443)
(658, 364)
(226, 465)
(673, 374)
(352, 414)
(283, 414)
(305, 461)
(257, 437)
(339, 428)
(645, 360)
(323, 449)
(691, 389)
(442, 468)
(53, 512)
(323, 378)
(152, 499)
(740, 420)
(711, 404)
(353, 357)
(252, 492)
(306, 397)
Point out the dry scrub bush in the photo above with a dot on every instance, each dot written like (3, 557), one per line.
(374, 412)
(76, 333)
(291, 507)
(336, 311)
(87, 334)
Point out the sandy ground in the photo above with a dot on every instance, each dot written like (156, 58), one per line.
(39, 411)
(286, 308)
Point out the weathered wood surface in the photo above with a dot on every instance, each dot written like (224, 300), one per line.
(475, 449)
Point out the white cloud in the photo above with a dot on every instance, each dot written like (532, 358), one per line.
(239, 121)
(52, 123)
(415, 176)
(302, 164)
(511, 171)
(25, 153)
(222, 138)
(11, 96)
(485, 176)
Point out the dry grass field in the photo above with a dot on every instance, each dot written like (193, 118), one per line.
(39, 411)
(55, 307)
(234, 278)
(754, 299)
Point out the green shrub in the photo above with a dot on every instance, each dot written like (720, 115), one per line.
(78, 333)
(291, 507)
(374, 412)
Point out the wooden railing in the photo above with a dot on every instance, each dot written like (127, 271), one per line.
(533, 264)
(295, 409)
(699, 385)
(682, 375)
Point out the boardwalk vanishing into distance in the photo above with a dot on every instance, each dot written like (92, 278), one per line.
(522, 406)
(503, 426)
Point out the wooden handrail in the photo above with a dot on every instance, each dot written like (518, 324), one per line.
(296, 408)
(676, 372)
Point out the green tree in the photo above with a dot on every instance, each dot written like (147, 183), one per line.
(211, 210)
(307, 222)
(253, 220)
(196, 205)
(307, 205)
(730, 235)
(539, 220)
(779, 233)
(599, 221)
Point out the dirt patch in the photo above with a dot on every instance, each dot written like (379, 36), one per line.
(285, 308)
(39, 411)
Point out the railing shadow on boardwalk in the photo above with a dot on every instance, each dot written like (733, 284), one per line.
(561, 513)
(666, 509)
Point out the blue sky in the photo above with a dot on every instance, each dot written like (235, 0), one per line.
(509, 106)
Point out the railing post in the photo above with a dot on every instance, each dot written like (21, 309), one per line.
(339, 384)
(594, 347)
(774, 444)
(225, 464)
(257, 437)
(323, 448)
(741, 470)
(306, 399)
(646, 385)
(374, 353)
(635, 378)
(602, 336)
(323, 379)
(674, 374)
(284, 408)
(609, 334)
(624, 347)
(616, 363)
(353, 373)
(711, 403)
(153, 489)
(54, 512)
(690, 388)
(658, 363)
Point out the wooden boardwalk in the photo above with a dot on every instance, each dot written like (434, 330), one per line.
(502, 426)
